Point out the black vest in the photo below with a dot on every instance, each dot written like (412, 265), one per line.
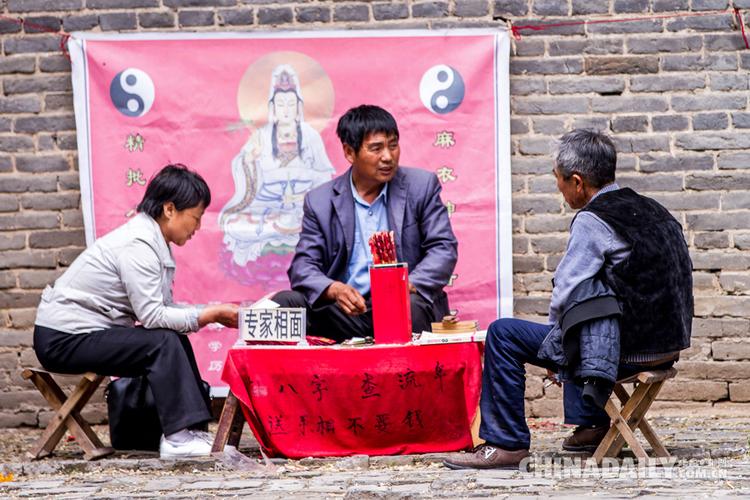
(655, 282)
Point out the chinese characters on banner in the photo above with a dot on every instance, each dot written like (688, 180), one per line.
(371, 400)
(255, 115)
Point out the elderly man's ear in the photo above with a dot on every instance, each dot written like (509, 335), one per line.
(582, 191)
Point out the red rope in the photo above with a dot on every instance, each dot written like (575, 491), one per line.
(516, 30)
(742, 26)
(64, 44)
(40, 27)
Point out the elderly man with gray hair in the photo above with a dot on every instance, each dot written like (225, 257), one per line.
(621, 303)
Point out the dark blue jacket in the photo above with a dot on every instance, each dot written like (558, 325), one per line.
(417, 216)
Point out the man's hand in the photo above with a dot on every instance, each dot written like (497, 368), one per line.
(347, 298)
(552, 377)
(226, 314)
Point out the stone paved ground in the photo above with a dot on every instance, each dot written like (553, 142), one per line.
(712, 454)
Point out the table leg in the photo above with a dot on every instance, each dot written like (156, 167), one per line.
(230, 424)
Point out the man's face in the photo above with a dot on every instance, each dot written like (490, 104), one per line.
(571, 189)
(377, 158)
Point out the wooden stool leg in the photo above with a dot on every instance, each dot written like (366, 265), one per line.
(639, 420)
(613, 440)
(56, 400)
(230, 424)
(610, 441)
(92, 446)
(55, 430)
(627, 420)
(621, 393)
(629, 413)
(68, 417)
(653, 439)
(626, 435)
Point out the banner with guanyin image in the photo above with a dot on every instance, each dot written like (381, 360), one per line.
(255, 114)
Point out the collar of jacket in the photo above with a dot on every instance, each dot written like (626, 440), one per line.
(147, 229)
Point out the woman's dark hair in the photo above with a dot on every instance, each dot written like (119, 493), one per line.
(356, 123)
(175, 183)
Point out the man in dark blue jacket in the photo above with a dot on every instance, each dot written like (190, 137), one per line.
(330, 270)
(634, 247)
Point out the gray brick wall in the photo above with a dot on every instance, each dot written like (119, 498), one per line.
(672, 92)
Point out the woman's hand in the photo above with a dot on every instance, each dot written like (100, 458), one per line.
(226, 314)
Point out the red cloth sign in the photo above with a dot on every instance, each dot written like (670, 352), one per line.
(335, 401)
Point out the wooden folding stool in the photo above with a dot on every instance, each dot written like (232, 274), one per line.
(68, 414)
(631, 416)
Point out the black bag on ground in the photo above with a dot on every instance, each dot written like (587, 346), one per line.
(133, 420)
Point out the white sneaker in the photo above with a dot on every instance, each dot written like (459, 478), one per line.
(195, 445)
(206, 436)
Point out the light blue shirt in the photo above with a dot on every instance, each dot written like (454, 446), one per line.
(369, 218)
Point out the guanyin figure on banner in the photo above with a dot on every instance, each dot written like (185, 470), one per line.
(281, 161)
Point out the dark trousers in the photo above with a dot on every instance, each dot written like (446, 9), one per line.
(332, 322)
(511, 343)
(165, 357)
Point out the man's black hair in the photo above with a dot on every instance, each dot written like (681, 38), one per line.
(366, 119)
(175, 183)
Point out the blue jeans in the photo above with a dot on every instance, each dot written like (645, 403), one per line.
(511, 343)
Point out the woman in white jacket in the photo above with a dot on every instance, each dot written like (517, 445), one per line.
(88, 320)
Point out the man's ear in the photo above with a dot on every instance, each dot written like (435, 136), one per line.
(580, 187)
(349, 153)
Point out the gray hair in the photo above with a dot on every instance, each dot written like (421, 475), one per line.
(588, 153)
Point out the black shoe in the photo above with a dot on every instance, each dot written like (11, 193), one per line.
(585, 438)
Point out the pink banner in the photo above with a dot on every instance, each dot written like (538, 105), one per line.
(256, 117)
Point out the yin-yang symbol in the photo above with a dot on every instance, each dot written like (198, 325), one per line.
(132, 92)
(441, 89)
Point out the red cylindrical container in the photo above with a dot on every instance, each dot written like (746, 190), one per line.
(391, 307)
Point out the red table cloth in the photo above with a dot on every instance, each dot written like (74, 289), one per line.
(337, 401)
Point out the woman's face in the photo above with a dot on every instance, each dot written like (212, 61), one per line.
(180, 225)
(285, 107)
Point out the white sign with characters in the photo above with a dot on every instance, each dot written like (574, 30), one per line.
(280, 324)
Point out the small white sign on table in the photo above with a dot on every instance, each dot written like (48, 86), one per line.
(280, 324)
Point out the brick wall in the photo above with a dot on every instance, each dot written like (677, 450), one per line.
(672, 92)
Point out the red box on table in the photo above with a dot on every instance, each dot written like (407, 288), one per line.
(391, 306)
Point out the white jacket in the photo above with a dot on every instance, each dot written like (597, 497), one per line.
(124, 277)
